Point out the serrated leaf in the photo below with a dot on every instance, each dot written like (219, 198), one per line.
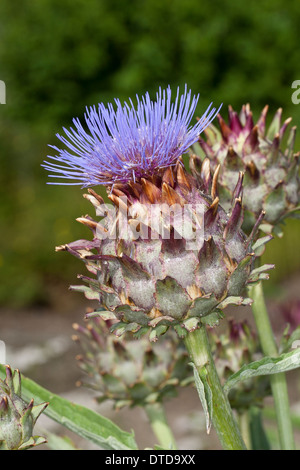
(265, 366)
(79, 419)
(205, 394)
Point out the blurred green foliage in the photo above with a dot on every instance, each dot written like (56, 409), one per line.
(57, 56)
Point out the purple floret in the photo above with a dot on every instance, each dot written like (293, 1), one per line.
(125, 143)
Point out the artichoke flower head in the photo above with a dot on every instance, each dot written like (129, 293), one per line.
(265, 154)
(163, 251)
(17, 417)
(128, 371)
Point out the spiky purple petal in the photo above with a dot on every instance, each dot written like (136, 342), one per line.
(126, 143)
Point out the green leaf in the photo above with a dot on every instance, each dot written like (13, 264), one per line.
(32, 442)
(213, 318)
(79, 419)
(205, 394)
(259, 246)
(104, 314)
(89, 293)
(266, 366)
(55, 442)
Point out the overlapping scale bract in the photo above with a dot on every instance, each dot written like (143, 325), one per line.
(157, 282)
(17, 417)
(266, 156)
(130, 372)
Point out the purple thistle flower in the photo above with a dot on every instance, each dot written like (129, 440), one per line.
(128, 143)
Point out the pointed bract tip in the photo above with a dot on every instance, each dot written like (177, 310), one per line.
(214, 205)
(96, 195)
(61, 248)
(265, 110)
(3, 404)
(214, 185)
(255, 228)
(225, 129)
(88, 222)
(239, 186)
(182, 179)
(170, 196)
(30, 405)
(8, 371)
(205, 173)
(122, 205)
(152, 192)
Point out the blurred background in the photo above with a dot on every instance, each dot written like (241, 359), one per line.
(58, 56)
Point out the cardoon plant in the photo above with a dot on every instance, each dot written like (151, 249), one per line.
(164, 253)
(270, 166)
(160, 268)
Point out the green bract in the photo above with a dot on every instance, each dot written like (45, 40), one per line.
(130, 371)
(158, 279)
(265, 156)
(17, 418)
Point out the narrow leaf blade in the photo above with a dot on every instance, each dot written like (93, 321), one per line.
(265, 366)
(205, 395)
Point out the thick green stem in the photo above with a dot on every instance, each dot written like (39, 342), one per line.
(278, 381)
(160, 427)
(198, 346)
